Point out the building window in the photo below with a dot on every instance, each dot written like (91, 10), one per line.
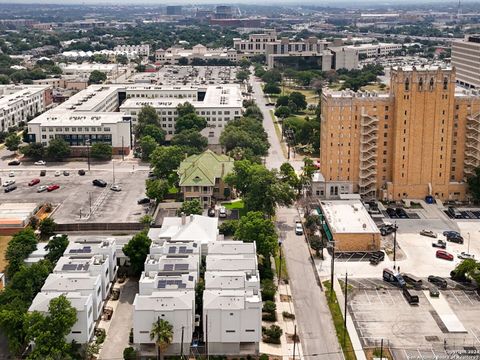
(445, 84)
(407, 84)
(431, 84)
(420, 85)
(229, 331)
(250, 330)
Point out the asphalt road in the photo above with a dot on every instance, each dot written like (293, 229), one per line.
(317, 334)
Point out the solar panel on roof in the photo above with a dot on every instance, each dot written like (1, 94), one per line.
(182, 249)
(168, 267)
(190, 278)
(162, 284)
(182, 286)
(69, 267)
(195, 245)
(189, 251)
(181, 266)
(172, 250)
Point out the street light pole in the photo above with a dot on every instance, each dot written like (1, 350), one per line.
(87, 142)
(395, 247)
(468, 246)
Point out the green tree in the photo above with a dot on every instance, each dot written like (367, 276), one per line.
(316, 244)
(253, 111)
(101, 151)
(243, 75)
(298, 99)
(147, 116)
(49, 331)
(185, 109)
(47, 227)
(155, 132)
(34, 151)
(272, 76)
(19, 248)
(183, 61)
(283, 112)
(162, 333)
(474, 184)
(56, 247)
(157, 189)
(165, 159)
(282, 101)
(137, 250)
(97, 77)
(245, 133)
(57, 149)
(191, 140)
(12, 142)
(288, 175)
(148, 146)
(4, 79)
(262, 189)
(121, 59)
(254, 227)
(190, 207)
(190, 122)
(228, 227)
(272, 88)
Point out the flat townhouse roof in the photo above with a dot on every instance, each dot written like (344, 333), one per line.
(348, 216)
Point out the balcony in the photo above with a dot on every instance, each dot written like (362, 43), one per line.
(367, 174)
(475, 154)
(369, 146)
(368, 156)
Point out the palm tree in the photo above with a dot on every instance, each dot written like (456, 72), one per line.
(162, 333)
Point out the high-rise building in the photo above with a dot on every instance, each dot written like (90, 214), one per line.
(420, 138)
(224, 12)
(466, 59)
(174, 10)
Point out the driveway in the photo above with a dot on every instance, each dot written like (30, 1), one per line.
(121, 323)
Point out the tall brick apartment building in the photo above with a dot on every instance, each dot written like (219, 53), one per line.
(421, 138)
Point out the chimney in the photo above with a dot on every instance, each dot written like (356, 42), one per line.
(184, 219)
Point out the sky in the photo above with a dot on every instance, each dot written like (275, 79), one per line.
(265, 2)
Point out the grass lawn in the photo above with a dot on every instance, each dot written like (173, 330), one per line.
(310, 95)
(236, 205)
(284, 273)
(337, 316)
(173, 190)
(3, 247)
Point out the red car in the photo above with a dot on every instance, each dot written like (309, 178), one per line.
(33, 182)
(442, 254)
(53, 187)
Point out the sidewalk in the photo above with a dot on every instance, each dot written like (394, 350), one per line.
(285, 349)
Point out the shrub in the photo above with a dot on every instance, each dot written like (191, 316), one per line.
(101, 335)
(268, 289)
(228, 227)
(269, 307)
(129, 353)
(287, 315)
(263, 357)
(269, 317)
(272, 334)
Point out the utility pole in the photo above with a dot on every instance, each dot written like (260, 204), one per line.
(294, 340)
(87, 142)
(90, 200)
(113, 168)
(181, 349)
(395, 246)
(332, 271)
(468, 246)
(206, 335)
(381, 349)
(345, 309)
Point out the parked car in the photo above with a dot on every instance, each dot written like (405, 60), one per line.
(58, 173)
(464, 255)
(33, 182)
(387, 229)
(454, 213)
(377, 257)
(81, 172)
(211, 212)
(411, 298)
(40, 162)
(298, 228)
(402, 214)
(428, 233)
(43, 173)
(455, 239)
(392, 213)
(116, 187)
(99, 183)
(11, 174)
(450, 233)
(42, 188)
(8, 183)
(10, 188)
(144, 200)
(433, 290)
(14, 162)
(439, 244)
(442, 254)
(66, 173)
(222, 212)
(438, 281)
(53, 187)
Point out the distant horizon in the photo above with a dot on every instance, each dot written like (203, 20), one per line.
(230, 2)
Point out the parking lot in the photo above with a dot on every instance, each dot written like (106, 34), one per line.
(196, 75)
(76, 195)
(413, 330)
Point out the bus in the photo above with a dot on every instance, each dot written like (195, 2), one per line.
(394, 278)
(413, 280)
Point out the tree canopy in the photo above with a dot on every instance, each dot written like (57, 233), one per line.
(190, 121)
(57, 149)
(191, 140)
(34, 151)
(157, 189)
(97, 77)
(12, 142)
(474, 184)
(190, 207)
(255, 227)
(137, 250)
(148, 146)
(19, 248)
(56, 247)
(101, 151)
(147, 116)
(165, 159)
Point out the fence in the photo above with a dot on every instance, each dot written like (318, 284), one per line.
(99, 227)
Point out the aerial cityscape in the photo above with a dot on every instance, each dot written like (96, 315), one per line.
(238, 181)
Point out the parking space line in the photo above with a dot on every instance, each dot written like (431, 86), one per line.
(419, 353)
(468, 297)
(455, 296)
(391, 297)
(379, 297)
(475, 335)
(368, 298)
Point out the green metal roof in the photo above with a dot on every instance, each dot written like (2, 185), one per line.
(203, 169)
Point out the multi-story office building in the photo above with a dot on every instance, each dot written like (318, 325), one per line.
(255, 44)
(108, 113)
(419, 139)
(173, 55)
(466, 59)
(174, 10)
(140, 50)
(21, 103)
